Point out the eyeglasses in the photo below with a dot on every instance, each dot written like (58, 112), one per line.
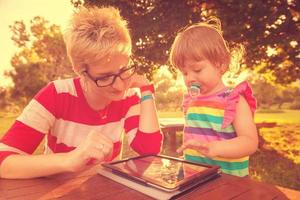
(108, 80)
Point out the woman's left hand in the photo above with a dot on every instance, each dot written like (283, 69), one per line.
(138, 81)
(205, 148)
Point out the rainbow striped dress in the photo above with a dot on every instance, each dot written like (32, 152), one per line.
(209, 118)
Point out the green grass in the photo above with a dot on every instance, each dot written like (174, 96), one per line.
(6, 122)
(285, 117)
(170, 114)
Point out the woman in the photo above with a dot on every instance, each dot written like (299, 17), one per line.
(82, 119)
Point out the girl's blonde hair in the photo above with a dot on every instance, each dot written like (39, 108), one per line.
(95, 33)
(204, 40)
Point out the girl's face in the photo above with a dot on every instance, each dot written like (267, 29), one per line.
(108, 72)
(204, 73)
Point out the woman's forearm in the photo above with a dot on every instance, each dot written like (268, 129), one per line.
(148, 115)
(32, 166)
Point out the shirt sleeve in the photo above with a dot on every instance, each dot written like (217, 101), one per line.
(142, 143)
(243, 89)
(29, 129)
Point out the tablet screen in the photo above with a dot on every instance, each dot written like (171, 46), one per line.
(162, 171)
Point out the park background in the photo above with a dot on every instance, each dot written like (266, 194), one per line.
(269, 31)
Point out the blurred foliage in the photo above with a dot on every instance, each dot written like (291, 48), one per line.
(268, 29)
(281, 144)
(269, 94)
(168, 90)
(285, 139)
(40, 59)
(270, 167)
(3, 95)
(295, 105)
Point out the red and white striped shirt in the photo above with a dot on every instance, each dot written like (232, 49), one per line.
(61, 113)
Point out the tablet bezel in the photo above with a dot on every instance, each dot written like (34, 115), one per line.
(211, 171)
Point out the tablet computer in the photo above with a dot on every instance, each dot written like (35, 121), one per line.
(163, 172)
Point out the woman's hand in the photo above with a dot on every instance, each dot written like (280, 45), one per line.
(207, 149)
(138, 81)
(93, 150)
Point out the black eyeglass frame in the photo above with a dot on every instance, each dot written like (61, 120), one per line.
(122, 70)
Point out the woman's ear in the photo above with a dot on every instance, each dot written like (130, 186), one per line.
(82, 68)
(79, 69)
(223, 68)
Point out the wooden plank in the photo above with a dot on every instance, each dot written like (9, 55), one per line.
(34, 192)
(127, 194)
(291, 194)
(206, 188)
(15, 184)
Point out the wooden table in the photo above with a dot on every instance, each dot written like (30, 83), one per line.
(169, 127)
(90, 185)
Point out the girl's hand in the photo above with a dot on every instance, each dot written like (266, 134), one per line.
(138, 81)
(93, 150)
(207, 149)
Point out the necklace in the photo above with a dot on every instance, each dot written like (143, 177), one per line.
(103, 113)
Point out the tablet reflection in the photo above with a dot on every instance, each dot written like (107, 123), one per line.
(171, 172)
(164, 171)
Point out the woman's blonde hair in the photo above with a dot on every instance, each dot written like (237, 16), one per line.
(200, 41)
(95, 33)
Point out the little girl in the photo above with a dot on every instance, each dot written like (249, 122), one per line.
(219, 125)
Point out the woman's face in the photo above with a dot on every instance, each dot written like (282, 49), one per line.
(105, 71)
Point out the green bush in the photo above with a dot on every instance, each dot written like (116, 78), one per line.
(283, 172)
(295, 105)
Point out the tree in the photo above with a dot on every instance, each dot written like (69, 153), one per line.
(268, 29)
(169, 91)
(270, 32)
(3, 95)
(285, 96)
(41, 57)
(265, 93)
